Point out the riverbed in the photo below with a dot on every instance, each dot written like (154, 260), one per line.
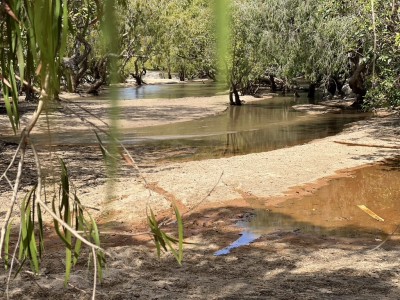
(214, 195)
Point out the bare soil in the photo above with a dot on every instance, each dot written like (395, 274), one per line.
(213, 195)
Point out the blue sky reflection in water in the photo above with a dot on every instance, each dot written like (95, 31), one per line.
(246, 238)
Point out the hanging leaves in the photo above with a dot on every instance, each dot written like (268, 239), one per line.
(71, 211)
(163, 240)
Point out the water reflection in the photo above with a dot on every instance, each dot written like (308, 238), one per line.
(333, 210)
(256, 127)
(246, 238)
(166, 91)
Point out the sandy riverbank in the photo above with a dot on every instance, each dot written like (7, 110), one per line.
(214, 194)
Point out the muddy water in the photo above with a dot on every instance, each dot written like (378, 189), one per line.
(254, 127)
(333, 209)
(166, 91)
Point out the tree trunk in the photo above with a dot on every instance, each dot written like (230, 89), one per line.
(182, 75)
(100, 76)
(77, 65)
(234, 98)
(274, 88)
(231, 102)
(331, 86)
(138, 75)
(357, 83)
(311, 90)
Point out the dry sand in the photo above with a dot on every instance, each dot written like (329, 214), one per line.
(213, 195)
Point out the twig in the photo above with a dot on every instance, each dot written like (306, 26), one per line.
(69, 228)
(85, 110)
(169, 220)
(366, 145)
(46, 208)
(133, 164)
(95, 273)
(9, 182)
(387, 238)
(122, 233)
(206, 196)
(71, 285)
(31, 274)
(13, 200)
(12, 262)
(12, 160)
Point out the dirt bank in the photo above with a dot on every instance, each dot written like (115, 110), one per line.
(214, 195)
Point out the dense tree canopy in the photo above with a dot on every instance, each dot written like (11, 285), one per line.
(354, 41)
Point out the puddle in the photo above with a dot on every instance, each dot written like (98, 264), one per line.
(333, 210)
(246, 238)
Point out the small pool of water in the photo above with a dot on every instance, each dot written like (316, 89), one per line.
(246, 238)
(333, 210)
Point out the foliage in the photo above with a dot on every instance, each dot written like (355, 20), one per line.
(384, 86)
(171, 36)
(70, 209)
(163, 240)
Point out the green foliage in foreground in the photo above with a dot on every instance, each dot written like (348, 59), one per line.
(68, 207)
(163, 240)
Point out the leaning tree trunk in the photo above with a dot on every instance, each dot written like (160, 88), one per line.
(137, 75)
(77, 65)
(99, 74)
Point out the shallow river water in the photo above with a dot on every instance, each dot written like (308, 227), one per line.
(255, 127)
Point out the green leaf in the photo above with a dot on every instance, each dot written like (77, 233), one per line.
(100, 259)
(180, 233)
(165, 241)
(9, 109)
(57, 227)
(41, 230)
(7, 245)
